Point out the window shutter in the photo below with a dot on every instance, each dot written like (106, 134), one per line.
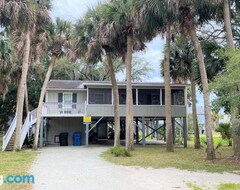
(60, 97)
(74, 97)
(74, 100)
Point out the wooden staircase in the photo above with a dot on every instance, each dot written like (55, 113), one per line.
(11, 142)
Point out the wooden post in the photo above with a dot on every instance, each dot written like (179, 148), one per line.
(174, 130)
(157, 126)
(41, 133)
(87, 133)
(185, 131)
(143, 132)
(164, 128)
(137, 132)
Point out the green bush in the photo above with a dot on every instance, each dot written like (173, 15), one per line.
(179, 140)
(225, 130)
(119, 151)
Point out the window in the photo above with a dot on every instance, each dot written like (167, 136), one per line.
(123, 96)
(148, 96)
(177, 97)
(69, 100)
(100, 96)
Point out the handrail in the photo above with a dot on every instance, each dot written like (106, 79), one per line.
(25, 129)
(9, 133)
(29, 121)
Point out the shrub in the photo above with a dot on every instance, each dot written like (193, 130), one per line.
(225, 130)
(119, 151)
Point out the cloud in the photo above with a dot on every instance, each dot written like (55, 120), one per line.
(72, 10)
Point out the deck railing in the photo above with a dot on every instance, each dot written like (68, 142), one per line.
(55, 109)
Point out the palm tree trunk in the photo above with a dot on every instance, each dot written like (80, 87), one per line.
(26, 99)
(129, 106)
(194, 110)
(204, 80)
(234, 110)
(115, 101)
(40, 103)
(168, 106)
(22, 89)
(227, 23)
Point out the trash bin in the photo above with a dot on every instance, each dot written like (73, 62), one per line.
(76, 139)
(63, 138)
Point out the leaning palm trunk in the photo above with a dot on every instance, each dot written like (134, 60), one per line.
(234, 110)
(197, 144)
(204, 80)
(22, 89)
(168, 111)
(129, 106)
(40, 103)
(115, 101)
(26, 99)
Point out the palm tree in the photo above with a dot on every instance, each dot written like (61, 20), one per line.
(203, 11)
(59, 36)
(95, 36)
(230, 44)
(121, 14)
(159, 17)
(182, 68)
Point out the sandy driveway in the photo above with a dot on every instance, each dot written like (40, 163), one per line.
(81, 168)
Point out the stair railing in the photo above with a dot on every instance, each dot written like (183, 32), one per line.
(9, 133)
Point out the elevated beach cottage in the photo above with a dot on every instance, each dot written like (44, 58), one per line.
(67, 102)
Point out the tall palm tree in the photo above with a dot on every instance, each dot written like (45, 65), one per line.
(230, 44)
(97, 35)
(23, 16)
(59, 37)
(121, 14)
(182, 69)
(201, 11)
(159, 17)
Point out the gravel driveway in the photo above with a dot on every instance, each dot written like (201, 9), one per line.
(81, 168)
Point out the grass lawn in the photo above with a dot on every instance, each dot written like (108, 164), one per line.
(183, 158)
(16, 163)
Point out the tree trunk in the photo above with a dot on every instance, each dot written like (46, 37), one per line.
(227, 23)
(115, 100)
(204, 80)
(26, 99)
(40, 103)
(234, 110)
(236, 136)
(22, 89)
(197, 144)
(168, 104)
(129, 101)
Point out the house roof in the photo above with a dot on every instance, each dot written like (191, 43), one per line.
(80, 85)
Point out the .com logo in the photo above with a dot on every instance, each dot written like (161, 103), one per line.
(17, 179)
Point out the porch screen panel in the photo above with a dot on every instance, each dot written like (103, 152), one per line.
(123, 96)
(100, 96)
(149, 96)
(178, 97)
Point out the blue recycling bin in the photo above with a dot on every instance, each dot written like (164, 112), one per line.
(76, 139)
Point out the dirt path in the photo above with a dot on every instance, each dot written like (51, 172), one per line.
(73, 168)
